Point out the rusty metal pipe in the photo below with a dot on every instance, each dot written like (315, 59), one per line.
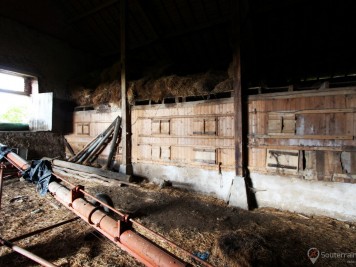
(36, 232)
(187, 253)
(26, 253)
(2, 166)
(118, 232)
(110, 228)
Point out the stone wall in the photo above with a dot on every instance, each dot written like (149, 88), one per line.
(38, 144)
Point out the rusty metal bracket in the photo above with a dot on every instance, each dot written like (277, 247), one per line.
(123, 224)
(75, 193)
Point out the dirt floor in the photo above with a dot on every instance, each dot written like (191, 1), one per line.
(200, 224)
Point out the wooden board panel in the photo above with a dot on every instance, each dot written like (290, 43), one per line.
(207, 156)
(165, 126)
(165, 152)
(156, 152)
(144, 151)
(210, 126)
(156, 127)
(198, 126)
(282, 159)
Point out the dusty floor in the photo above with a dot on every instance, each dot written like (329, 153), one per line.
(264, 237)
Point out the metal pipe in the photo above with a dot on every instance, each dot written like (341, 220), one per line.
(187, 253)
(117, 231)
(2, 166)
(18, 238)
(26, 253)
(136, 245)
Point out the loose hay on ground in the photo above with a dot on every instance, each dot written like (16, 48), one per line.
(195, 222)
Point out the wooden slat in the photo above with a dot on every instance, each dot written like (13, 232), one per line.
(301, 94)
(321, 137)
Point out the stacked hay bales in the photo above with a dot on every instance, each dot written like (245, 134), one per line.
(82, 96)
(155, 89)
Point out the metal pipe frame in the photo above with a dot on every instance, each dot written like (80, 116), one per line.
(26, 253)
(120, 232)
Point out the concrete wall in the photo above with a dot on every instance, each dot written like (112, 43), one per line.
(194, 179)
(335, 200)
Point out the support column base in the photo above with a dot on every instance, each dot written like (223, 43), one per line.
(238, 195)
(126, 169)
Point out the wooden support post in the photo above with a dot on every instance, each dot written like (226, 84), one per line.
(238, 192)
(126, 166)
(239, 155)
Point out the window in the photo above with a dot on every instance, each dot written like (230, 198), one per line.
(20, 104)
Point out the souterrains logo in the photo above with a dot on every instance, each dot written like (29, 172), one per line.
(313, 254)
(348, 257)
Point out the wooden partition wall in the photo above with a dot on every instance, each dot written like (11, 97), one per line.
(193, 134)
(309, 134)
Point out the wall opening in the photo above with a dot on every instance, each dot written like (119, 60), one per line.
(16, 105)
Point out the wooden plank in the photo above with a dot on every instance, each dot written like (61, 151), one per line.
(187, 105)
(166, 152)
(88, 169)
(156, 127)
(323, 111)
(306, 148)
(156, 152)
(169, 117)
(320, 137)
(309, 93)
(165, 127)
(282, 160)
(210, 126)
(205, 155)
(198, 126)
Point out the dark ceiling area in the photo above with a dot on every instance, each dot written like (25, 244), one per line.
(282, 40)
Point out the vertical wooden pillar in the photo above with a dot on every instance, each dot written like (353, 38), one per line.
(126, 166)
(238, 192)
(238, 107)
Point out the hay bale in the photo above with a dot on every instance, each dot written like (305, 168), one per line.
(172, 83)
(139, 89)
(82, 96)
(224, 86)
(131, 94)
(107, 93)
(243, 249)
(206, 82)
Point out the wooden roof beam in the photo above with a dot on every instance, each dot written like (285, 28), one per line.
(94, 11)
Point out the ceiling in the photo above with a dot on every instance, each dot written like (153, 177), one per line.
(282, 40)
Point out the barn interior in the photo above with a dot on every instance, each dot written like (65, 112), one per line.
(225, 127)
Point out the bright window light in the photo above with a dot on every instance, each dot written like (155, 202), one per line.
(14, 108)
(12, 82)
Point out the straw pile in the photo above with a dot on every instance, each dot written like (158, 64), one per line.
(82, 96)
(224, 86)
(243, 248)
(174, 86)
(109, 90)
(107, 93)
